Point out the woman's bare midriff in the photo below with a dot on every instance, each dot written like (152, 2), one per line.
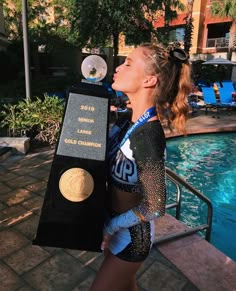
(123, 201)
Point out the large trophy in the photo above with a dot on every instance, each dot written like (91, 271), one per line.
(73, 211)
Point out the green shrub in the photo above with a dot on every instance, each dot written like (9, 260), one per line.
(38, 118)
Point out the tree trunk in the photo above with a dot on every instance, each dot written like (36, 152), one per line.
(232, 39)
(166, 24)
(188, 27)
(116, 49)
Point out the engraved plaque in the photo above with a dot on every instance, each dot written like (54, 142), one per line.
(73, 211)
(83, 131)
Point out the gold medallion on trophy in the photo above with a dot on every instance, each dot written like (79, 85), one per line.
(76, 184)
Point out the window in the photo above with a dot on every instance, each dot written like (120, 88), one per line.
(177, 34)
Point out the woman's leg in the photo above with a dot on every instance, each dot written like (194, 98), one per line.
(116, 275)
(132, 286)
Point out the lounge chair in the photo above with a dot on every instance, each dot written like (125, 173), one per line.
(226, 97)
(209, 98)
(193, 101)
(228, 85)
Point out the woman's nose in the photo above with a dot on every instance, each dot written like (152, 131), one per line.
(118, 68)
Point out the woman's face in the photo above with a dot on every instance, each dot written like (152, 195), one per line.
(129, 76)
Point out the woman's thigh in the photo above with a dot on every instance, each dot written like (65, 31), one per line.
(133, 244)
(115, 274)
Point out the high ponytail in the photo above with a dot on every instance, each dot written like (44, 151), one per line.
(172, 67)
(180, 108)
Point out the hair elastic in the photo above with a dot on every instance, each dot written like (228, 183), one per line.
(176, 53)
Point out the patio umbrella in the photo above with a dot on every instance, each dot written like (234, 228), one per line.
(219, 61)
(221, 64)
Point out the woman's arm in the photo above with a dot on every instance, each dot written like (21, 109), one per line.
(148, 149)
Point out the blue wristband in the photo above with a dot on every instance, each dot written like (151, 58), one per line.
(124, 220)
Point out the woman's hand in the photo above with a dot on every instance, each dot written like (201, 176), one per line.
(113, 108)
(106, 241)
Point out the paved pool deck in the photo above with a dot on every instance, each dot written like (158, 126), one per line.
(172, 266)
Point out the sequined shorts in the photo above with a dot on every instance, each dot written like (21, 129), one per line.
(133, 244)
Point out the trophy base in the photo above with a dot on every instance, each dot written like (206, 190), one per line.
(70, 236)
(73, 225)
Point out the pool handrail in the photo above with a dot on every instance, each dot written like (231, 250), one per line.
(177, 180)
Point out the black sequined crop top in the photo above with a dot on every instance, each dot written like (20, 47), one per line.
(138, 166)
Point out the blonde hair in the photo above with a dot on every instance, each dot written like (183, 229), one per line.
(172, 67)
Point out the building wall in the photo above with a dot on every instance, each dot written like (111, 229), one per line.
(201, 18)
(198, 20)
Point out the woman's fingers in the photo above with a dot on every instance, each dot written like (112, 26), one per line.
(105, 242)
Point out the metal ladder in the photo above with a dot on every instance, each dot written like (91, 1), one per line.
(180, 182)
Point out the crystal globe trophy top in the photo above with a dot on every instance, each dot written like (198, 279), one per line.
(73, 211)
(94, 68)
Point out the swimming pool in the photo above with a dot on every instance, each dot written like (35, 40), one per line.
(208, 162)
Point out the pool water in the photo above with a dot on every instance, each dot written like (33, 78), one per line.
(208, 162)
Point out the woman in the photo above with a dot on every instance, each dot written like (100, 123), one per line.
(157, 83)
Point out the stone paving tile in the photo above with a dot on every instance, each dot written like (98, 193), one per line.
(26, 258)
(42, 193)
(4, 188)
(12, 215)
(20, 169)
(16, 196)
(47, 167)
(46, 153)
(21, 181)
(59, 273)
(161, 277)
(43, 153)
(42, 173)
(85, 284)
(45, 161)
(148, 262)
(2, 206)
(25, 170)
(85, 278)
(12, 162)
(37, 187)
(154, 271)
(34, 204)
(83, 256)
(31, 160)
(9, 280)
(91, 259)
(53, 250)
(11, 241)
(2, 168)
(7, 176)
(96, 263)
(33, 163)
(28, 227)
(26, 288)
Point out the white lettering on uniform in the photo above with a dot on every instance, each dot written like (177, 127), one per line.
(124, 169)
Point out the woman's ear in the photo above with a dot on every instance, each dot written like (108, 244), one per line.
(150, 81)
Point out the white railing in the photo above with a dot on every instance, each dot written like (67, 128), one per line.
(221, 42)
(180, 183)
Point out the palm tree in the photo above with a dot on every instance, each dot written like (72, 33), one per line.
(226, 8)
(188, 26)
(170, 8)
